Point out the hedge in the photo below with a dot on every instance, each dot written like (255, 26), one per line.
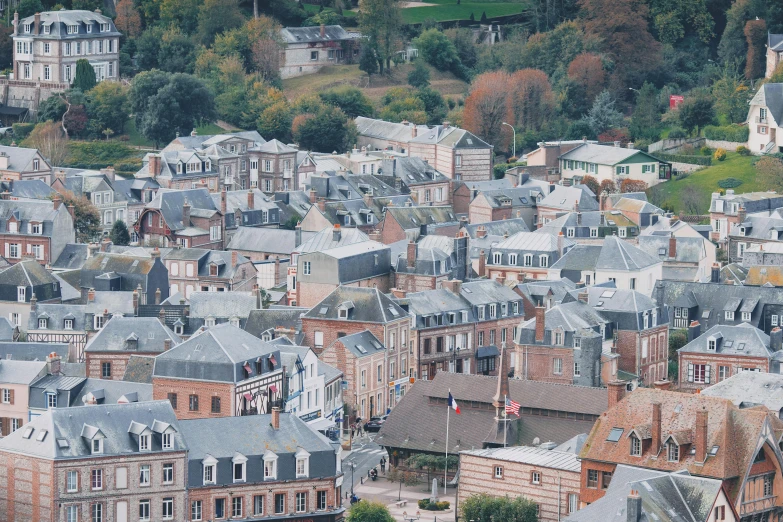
(728, 183)
(735, 133)
(685, 158)
(22, 130)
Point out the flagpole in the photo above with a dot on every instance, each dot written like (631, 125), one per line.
(446, 465)
(505, 427)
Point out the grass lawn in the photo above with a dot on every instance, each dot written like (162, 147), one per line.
(323, 79)
(448, 10)
(706, 180)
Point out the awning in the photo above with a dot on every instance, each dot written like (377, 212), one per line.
(321, 424)
(247, 396)
(487, 351)
(13, 111)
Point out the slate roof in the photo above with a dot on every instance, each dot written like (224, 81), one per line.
(486, 291)
(770, 95)
(28, 188)
(147, 332)
(636, 206)
(775, 41)
(748, 389)
(7, 330)
(20, 372)
(26, 273)
(264, 320)
(106, 391)
(139, 369)
(412, 171)
(292, 35)
(581, 257)
(20, 159)
(737, 340)
(104, 262)
(536, 290)
(497, 228)
(221, 304)
(538, 457)
(72, 257)
(573, 316)
(564, 198)
(366, 305)
(411, 218)
(451, 136)
(324, 240)
(603, 154)
(170, 203)
(617, 254)
(25, 351)
(27, 210)
(688, 249)
(514, 197)
(362, 344)
(59, 20)
(385, 129)
(533, 242)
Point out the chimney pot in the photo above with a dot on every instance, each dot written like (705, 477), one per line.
(336, 232)
(540, 323)
(323, 30)
(634, 507)
(616, 392)
(701, 435)
(275, 418)
(91, 295)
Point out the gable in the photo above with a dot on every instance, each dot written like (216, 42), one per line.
(639, 157)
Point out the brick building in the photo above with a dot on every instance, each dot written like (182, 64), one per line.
(732, 209)
(106, 462)
(507, 203)
(21, 163)
(36, 228)
(188, 218)
(413, 222)
(199, 269)
(431, 261)
(723, 351)
(526, 255)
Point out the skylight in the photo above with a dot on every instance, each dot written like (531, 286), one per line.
(27, 433)
(323, 310)
(608, 294)
(41, 436)
(615, 434)
(714, 450)
(63, 443)
(741, 346)
(361, 348)
(394, 311)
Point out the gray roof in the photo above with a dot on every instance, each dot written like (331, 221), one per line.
(78, 426)
(386, 130)
(412, 170)
(362, 344)
(20, 159)
(132, 334)
(221, 304)
(612, 299)
(536, 290)
(264, 320)
(487, 291)
(170, 203)
(59, 20)
(564, 198)
(72, 257)
(324, 240)
(106, 391)
(533, 242)
(450, 136)
(29, 188)
(411, 218)
(570, 317)
(20, 372)
(22, 351)
(368, 305)
(602, 154)
(312, 34)
(737, 340)
(498, 228)
(7, 330)
(771, 96)
(139, 369)
(538, 457)
(748, 389)
(329, 372)
(261, 239)
(436, 301)
(688, 249)
(617, 254)
(27, 272)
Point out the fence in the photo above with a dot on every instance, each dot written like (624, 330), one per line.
(672, 145)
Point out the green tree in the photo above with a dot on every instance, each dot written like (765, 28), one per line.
(399, 104)
(603, 115)
(351, 100)
(672, 19)
(677, 339)
(182, 14)
(381, 21)
(434, 105)
(646, 118)
(368, 61)
(696, 112)
(216, 16)
(84, 79)
(87, 219)
(365, 511)
(437, 50)
(29, 8)
(731, 95)
(419, 75)
(51, 109)
(462, 39)
(276, 121)
(327, 130)
(107, 107)
(486, 507)
(176, 52)
(6, 46)
(148, 48)
(119, 233)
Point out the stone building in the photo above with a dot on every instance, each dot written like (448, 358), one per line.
(308, 49)
(39, 229)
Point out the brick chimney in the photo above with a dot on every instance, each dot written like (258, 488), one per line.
(275, 418)
(234, 258)
(656, 427)
(186, 214)
(776, 339)
(321, 205)
(663, 384)
(481, 231)
(223, 205)
(313, 196)
(37, 26)
(298, 234)
(166, 345)
(634, 507)
(412, 251)
(452, 285)
(53, 363)
(336, 232)
(323, 31)
(16, 23)
(482, 263)
(72, 211)
(602, 198)
(560, 243)
(91, 295)
(741, 213)
(154, 165)
(540, 323)
(157, 296)
(92, 249)
(136, 302)
(701, 435)
(583, 295)
(251, 199)
(672, 247)
(105, 244)
(616, 392)
(57, 201)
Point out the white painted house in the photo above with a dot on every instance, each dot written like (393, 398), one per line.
(765, 118)
(308, 49)
(613, 163)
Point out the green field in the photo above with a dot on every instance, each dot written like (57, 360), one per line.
(448, 10)
(706, 180)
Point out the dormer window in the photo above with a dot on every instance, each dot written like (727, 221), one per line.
(28, 28)
(13, 227)
(35, 228)
(179, 167)
(97, 446)
(209, 321)
(239, 466)
(558, 337)
(711, 342)
(213, 270)
(343, 313)
(178, 329)
(73, 29)
(636, 446)
(210, 469)
(672, 452)
(302, 463)
(166, 441)
(68, 324)
(497, 258)
(47, 29)
(105, 28)
(42, 324)
(144, 443)
(270, 466)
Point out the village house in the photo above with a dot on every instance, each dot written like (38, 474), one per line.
(561, 199)
(765, 117)
(413, 222)
(309, 49)
(548, 153)
(591, 227)
(732, 209)
(774, 53)
(633, 206)
(36, 228)
(16, 377)
(246, 209)
(22, 286)
(526, 255)
(613, 163)
(463, 192)
(188, 218)
(106, 272)
(21, 163)
(198, 269)
(431, 261)
(96, 463)
(684, 258)
(427, 185)
(263, 244)
(498, 205)
(546, 293)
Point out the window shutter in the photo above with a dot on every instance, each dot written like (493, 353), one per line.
(707, 374)
(690, 372)
(3, 426)
(619, 170)
(11, 396)
(7, 250)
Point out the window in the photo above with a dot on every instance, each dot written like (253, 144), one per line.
(173, 400)
(72, 482)
(168, 473)
(592, 478)
(144, 475)
(723, 372)
(711, 344)
(239, 470)
(72, 514)
(306, 267)
(195, 510)
(106, 370)
(301, 466)
(215, 404)
(279, 503)
(729, 315)
(220, 508)
(321, 501)
(593, 232)
(270, 468)
(543, 261)
(96, 512)
(570, 232)
(236, 507)
(699, 373)
(97, 446)
(98, 322)
(144, 442)
(209, 473)
(573, 503)
(577, 370)
(672, 452)
(144, 509)
(621, 231)
(193, 403)
(768, 485)
(527, 260)
(47, 72)
(21, 292)
(215, 233)
(606, 478)
(258, 505)
(746, 316)
(301, 502)
(51, 400)
(557, 366)
(313, 56)
(498, 472)
(96, 479)
(536, 477)
(636, 446)
(720, 513)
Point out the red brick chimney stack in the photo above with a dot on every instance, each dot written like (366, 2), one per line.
(701, 435)
(656, 427)
(540, 323)
(616, 392)
(672, 247)
(275, 418)
(412, 250)
(251, 199)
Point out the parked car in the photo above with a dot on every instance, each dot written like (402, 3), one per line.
(375, 423)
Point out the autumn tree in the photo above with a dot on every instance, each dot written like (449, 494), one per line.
(756, 38)
(608, 186)
(592, 184)
(50, 139)
(769, 173)
(381, 22)
(87, 219)
(632, 185)
(587, 70)
(531, 100)
(487, 106)
(128, 19)
(266, 46)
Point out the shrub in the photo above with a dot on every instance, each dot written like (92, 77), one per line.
(705, 151)
(433, 506)
(445, 504)
(677, 132)
(728, 183)
(22, 130)
(423, 503)
(501, 168)
(685, 158)
(742, 150)
(736, 133)
(642, 145)
(720, 154)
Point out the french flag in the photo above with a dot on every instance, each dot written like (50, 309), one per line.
(453, 404)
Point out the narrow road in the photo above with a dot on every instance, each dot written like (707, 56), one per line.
(365, 455)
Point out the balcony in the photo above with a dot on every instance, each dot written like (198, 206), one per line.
(758, 505)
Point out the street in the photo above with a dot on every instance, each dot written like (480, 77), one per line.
(365, 455)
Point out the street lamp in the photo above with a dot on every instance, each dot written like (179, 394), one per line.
(410, 518)
(353, 467)
(515, 137)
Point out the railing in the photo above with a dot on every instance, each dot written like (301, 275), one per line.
(761, 504)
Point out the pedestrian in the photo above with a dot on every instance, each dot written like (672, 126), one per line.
(383, 464)
(353, 430)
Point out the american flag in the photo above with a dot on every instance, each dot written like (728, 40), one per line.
(512, 407)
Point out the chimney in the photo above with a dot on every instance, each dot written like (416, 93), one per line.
(321, 205)
(223, 204)
(701, 435)
(602, 200)
(501, 280)
(57, 201)
(323, 35)
(186, 214)
(694, 330)
(452, 285)
(634, 507)
(275, 418)
(715, 273)
(136, 302)
(414, 131)
(578, 216)
(399, 293)
(656, 427)
(741, 213)
(336, 232)
(92, 249)
(602, 220)
(105, 244)
(153, 167)
(368, 199)
(482, 264)
(166, 345)
(234, 258)
(37, 26)
(298, 234)
(16, 23)
(776, 339)
(560, 245)
(481, 231)
(155, 254)
(91, 295)
(446, 124)
(576, 206)
(412, 251)
(672, 246)
(110, 173)
(616, 392)
(162, 315)
(312, 196)
(72, 212)
(583, 295)
(251, 199)
(540, 323)
(53, 363)
(664, 385)
(33, 303)
(157, 297)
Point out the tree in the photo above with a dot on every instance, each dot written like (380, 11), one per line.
(531, 101)
(266, 47)
(672, 19)
(381, 21)
(769, 172)
(6, 46)
(419, 76)
(486, 507)
(632, 185)
(696, 112)
(587, 70)
(437, 50)
(486, 107)
(217, 16)
(87, 219)
(733, 45)
(592, 184)
(148, 47)
(756, 38)
(84, 79)
(176, 51)
(694, 200)
(119, 233)
(51, 109)
(75, 120)
(731, 95)
(603, 115)
(107, 107)
(50, 140)
(434, 105)
(366, 511)
(351, 100)
(608, 186)
(677, 339)
(182, 14)
(128, 19)
(276, 120)
(467, 52)
(646, 118)
(29, 8)
(368, 61)
(400, 104)
(326, 130)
